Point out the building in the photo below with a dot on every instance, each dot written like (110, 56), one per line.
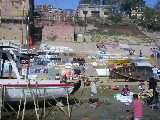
(46, 8)
(48, 12)
(89, 10)
(16, 19)
(55, 24)
(58, 31)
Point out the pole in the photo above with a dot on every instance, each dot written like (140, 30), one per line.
(22, 22)
(20, 104)
(0, 61)
(44, 105)
(24, 107)
(28, 68)
(37, 94)
(35, 105)
(57, 102)
(69, 113)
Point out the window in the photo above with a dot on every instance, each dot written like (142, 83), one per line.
(85, 12)
(95, 13)
(105, 13)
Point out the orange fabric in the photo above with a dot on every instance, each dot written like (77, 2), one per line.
(113, 87)
(30, 41)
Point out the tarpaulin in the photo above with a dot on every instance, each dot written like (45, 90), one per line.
(53, 72)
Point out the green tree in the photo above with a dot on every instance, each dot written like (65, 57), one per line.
(114, 3)
(157, 5)
(96, 2)
(150, 18)
(128, 5)
(84, 1)
(116, 17)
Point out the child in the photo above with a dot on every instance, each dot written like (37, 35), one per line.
(125, 90)
(136, 107)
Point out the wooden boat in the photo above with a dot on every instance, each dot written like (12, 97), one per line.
(134, 73)
(119, 60)
(14, 89)
(29, 89)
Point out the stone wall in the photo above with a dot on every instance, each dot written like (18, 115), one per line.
(11, 31)
(59, 31)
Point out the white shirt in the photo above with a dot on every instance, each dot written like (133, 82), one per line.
(155, 70)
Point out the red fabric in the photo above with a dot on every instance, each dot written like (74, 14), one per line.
(141, 83)
(111, 65)
(57, 74)
(30, 41)
(113, 87)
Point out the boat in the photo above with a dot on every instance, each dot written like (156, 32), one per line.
(135, 73)
(24, 88)
(119, 60)
(14, 89)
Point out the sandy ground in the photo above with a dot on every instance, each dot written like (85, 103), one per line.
(109, 107)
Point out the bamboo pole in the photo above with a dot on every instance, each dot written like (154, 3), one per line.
(11, 107)
(20, 103)
(44, 110)
(35, 105)
(81, 96)
(37, 94)
(24, 107)
(25, 100)
(7, 111)
(73, 99)
(48, 103)
(69, 113)
(57, 102)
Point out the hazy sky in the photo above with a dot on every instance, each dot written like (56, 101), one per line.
(72, 4)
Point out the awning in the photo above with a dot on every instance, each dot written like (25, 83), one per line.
(143, 64)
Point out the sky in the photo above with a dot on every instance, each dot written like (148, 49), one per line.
(72, 4)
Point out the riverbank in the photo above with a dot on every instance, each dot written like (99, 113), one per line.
(109, 108)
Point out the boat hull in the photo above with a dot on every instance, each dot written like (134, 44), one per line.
(39, 93)
(35, 90)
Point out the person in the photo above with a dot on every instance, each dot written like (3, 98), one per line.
(155, 100)
(60, 104)
(136, 107)
(152, 83)
(125, 90)
(131, 53)
(65, 78)
(155, 70)
(140, 53)
(93, 88)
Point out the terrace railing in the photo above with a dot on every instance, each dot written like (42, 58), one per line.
(17, 47)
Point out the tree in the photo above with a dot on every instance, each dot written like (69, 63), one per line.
(150, 18)
(116, 17)
(84, 1)
(114, 3)
(128, 5)
(96, 2)
(157, 5)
